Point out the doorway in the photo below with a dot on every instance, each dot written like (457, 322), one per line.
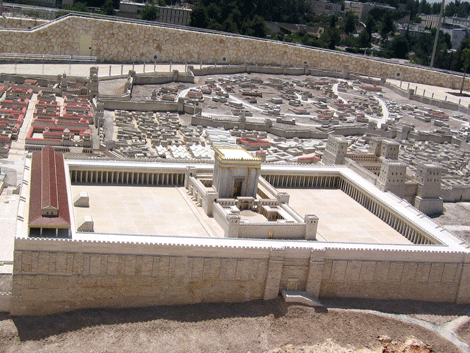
(85, 44)
(237, 187)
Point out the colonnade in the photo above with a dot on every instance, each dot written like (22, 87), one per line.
(302, 181)
(125, 177)
(384, 214)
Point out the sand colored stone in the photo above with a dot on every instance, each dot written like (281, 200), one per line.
(337, 212)
(144, 210)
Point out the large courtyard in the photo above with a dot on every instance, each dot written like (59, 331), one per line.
(144, 210)
(342, 219)
(170, 211)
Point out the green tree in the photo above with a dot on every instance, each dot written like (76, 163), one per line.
(350, 21)
(78, 6)
(466, 62)
(199, 17)
(387, 26)
(149, 12)
(108, 8)
(370, 25)
(332, 21)
(399, 47)
(364, 39)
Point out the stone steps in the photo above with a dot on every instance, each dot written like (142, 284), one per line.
(299, 297)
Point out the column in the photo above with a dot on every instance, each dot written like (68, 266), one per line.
(274, 274)
(314, 274)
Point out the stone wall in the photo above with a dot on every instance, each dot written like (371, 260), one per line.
(61, 275)
(18, 22)
(118, 42)
(391, 280)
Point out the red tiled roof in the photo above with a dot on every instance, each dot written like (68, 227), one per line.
(48, 190)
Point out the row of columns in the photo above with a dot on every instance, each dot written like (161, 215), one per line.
(303, 181)
(385, 215)
(131, 178)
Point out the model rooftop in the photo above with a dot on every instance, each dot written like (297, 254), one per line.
(234, 153)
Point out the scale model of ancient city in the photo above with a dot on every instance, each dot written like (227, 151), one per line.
(253, 169)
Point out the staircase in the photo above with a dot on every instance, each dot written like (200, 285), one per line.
(299, 297)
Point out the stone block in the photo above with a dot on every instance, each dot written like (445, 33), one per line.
(353, 270)
(81, 200)
(395, 272)
(381, 271)
(367, 271)
(338, 271)
(86, 224)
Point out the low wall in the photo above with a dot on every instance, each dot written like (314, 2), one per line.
(75, 34)
(220, 216)
(279, 230)
(19, 22)
(286, 132)
(145, 106)
(363, 172)
(456, 193)
(427, 100)
(161, 78)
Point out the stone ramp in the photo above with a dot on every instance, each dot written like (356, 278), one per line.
(299, 297)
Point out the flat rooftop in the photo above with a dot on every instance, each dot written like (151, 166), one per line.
(341, 218)
(144, 210)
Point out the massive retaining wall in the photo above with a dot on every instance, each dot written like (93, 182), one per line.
(60, 275)
(114, 41)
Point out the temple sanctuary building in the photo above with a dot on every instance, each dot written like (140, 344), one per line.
(234, 229)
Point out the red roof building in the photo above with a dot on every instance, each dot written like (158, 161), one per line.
(48, 207)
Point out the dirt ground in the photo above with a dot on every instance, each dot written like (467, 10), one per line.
(455, 215)
(257, 326)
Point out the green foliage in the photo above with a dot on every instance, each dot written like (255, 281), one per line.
(349, 23)
(399, 47)
(149, 12)
(370, 25)
(457, 8)
(332, 21)
(108, 8)
(364, 39)
(465, 58)
(422, 47)
(331, 36)
(350, 41)
(199, 18)
(238, 16)
(388, 26)
(78, 6)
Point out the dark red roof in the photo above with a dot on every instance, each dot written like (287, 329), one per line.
(48, 190)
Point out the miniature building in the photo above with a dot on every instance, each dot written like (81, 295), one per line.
(385, 148)
(336, 149)
(236, 172)
(428, 199)
(49, 209)
(392, 177)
